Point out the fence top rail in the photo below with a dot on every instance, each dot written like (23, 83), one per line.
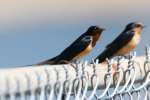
(32, 77)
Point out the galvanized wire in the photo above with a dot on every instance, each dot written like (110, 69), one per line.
(128, 81)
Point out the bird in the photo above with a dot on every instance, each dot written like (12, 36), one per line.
(124, 43)
(79, 48)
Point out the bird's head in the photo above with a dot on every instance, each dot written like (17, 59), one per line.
(94, 30)
(135, 26)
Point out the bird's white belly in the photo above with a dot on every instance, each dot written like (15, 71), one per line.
(130, 46)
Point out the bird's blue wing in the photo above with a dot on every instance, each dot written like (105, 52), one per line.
(121, 40)
(76, 47)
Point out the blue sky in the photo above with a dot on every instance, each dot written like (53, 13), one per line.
(34, 30)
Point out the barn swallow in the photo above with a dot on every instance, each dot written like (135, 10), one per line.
(79, 48)
(124, 43)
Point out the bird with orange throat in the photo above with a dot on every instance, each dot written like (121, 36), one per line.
(124, 43)
(79, 48)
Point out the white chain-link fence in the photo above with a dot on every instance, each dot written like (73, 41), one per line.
(125, 79)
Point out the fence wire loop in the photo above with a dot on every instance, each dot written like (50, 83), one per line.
(28, 91)
(88, 81)
(47, 75)
(58, 87)
(37, 91)
(67, 87)
(17, 94)
(84, 81)
(94, 78)
(7, 94)
(117, 78)
(77, 85)
(147, 53)
(107, 79)
(147, 62)
(47, 88)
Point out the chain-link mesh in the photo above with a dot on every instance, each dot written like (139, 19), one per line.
(125, 78)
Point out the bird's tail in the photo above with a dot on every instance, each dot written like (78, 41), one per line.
(105, 54)
(51, 61)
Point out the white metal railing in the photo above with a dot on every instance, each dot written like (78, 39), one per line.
(120, 79)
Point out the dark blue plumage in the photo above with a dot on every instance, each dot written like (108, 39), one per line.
(124, 43)
(78, 48)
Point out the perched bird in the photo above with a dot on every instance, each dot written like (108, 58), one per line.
(79, 48)
(124, 43)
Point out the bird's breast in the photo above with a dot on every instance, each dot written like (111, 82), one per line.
(84, 52)
(129, 46)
